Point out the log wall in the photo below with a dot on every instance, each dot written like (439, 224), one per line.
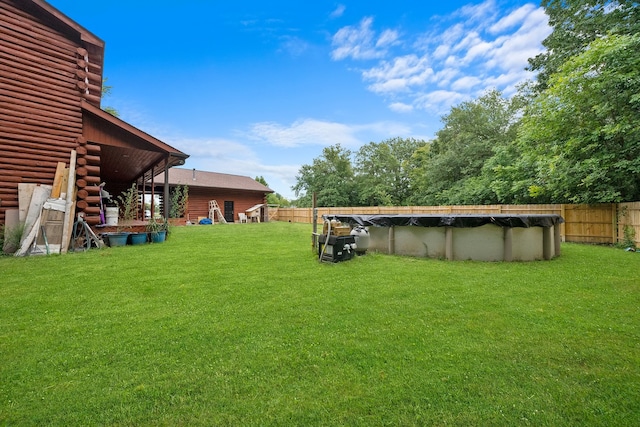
(45, 71)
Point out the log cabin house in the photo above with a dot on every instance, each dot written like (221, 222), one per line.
(234, 194)
(51, 74)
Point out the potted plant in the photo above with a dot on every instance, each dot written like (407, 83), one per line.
(127, 203)
(157, 230)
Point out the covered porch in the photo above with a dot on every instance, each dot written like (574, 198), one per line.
(125, 155)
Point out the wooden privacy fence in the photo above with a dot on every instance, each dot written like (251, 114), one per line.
(602, 223)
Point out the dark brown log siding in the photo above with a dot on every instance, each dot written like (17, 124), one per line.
(44, 74)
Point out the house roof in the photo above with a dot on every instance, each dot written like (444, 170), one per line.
(127, 152)
(63, 20)
(197, 178)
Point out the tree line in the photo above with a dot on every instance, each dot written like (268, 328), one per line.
(570, 136)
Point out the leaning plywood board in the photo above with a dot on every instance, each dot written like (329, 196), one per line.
(27, 240)
(49, 239)
(70, 205)
(40, 195)
(58, 180)
(25, 191)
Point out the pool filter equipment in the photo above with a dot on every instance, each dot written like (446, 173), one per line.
(362, 239)
(336, 243)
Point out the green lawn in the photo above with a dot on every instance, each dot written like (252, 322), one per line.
(241, 325)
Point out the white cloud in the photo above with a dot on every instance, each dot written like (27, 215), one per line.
(399, 75)
(441, 51)
(470, 39)
(512, 51)
(480, 46)
(387, 38)
(303, 132)
(478, 50)
(338, 11)
(294, 46)
(318, 132)
(452, 34)
(444, 77)
(384, 128)
(465, 83)
(361, 42)
(452, 61)
(439, 101)
(400, 107)
(508, 82)
(232, 157)
(210, 149)
(479, 13)
(512, 19)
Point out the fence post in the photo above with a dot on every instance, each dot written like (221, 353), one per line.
(614, 225)
(563, 232)
(314, 241)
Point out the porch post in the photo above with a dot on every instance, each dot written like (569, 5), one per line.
(167, 202)
(153, 194)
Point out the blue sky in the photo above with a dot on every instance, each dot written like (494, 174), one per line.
(260, 87)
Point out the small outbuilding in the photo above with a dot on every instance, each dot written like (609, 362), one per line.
(234, 194)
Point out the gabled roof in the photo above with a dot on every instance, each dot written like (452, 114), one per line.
(196, 178)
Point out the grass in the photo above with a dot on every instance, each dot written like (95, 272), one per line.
(241, 325)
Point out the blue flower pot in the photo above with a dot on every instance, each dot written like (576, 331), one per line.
(158, 236)
(138, 238)
(117, 239)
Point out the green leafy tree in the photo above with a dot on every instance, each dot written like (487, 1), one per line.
(273, 198)
(330, 176)
(581, 137)
(576, 24)
(382, 171)
(106, 91)
(453, 170)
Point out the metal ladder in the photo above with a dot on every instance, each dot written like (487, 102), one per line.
(215, 209)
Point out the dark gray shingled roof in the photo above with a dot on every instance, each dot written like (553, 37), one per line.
(197, 178)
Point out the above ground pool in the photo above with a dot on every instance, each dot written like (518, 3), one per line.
(462, 237)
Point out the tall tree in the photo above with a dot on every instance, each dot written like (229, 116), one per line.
(330, 176)
(576, 23)
(382, 171)
(451, 170)
(273, 198)
(106, 91)
(582, 135)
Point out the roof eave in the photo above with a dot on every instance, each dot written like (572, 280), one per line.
(84, 34)
(115, 121)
